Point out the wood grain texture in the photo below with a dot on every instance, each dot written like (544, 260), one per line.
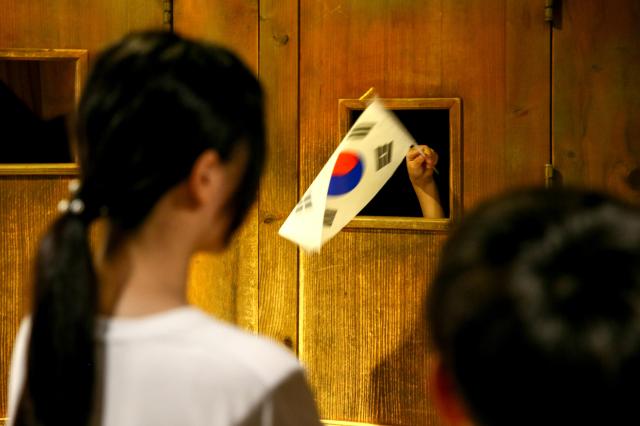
(48, 81)
(23, 79)
(279, 189)
(226, 285)
(361, 334)
(58, 82)
(596, 96)
(45, 169)
(343, 423)
(74, 24)
(27, 206)
(233, 23)
(496, 58)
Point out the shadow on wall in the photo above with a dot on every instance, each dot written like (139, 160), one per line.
(400, 389)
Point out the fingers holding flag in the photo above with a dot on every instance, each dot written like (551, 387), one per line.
(421, 164)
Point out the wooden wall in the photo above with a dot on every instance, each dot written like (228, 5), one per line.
(596, 96)
(531, 94)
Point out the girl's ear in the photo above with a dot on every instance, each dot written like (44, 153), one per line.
(446, 398)
(206, 176)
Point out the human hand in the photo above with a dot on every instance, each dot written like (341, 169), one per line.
(421, 163)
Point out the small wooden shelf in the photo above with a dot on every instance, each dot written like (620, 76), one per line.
(47, 169)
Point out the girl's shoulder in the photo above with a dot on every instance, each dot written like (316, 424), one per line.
(189, 336)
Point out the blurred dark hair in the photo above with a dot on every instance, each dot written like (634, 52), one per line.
(153, 103)
(535, 309)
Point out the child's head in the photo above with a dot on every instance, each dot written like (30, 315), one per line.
(153, 104)
(535, 311)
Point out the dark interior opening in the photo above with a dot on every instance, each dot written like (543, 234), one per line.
(397, 198)
(36, 100)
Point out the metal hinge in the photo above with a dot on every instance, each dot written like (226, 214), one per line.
(548, 175)
(167, 14)
(548, 10)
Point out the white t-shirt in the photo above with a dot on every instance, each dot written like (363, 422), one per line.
(183, 367)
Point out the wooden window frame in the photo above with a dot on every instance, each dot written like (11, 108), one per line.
(454, 106)
(79, 56)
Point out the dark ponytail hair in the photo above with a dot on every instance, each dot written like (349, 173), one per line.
(61, 357)
(152, 104)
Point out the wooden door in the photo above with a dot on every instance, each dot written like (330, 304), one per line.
(361, 330)
(596, 95)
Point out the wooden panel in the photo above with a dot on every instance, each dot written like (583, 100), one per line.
(23, 79)
(596, 95)
(57, 79)
(361, 331)
(279, 191)
(61, 75)
(27, 206)
(233, 23)
(226, 285)
(74, 24)
(47, 87)
(363, 336)
(496, 58)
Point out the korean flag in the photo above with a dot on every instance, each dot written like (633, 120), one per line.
(366, 158)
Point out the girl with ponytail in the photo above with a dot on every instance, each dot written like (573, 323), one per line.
(171, 145)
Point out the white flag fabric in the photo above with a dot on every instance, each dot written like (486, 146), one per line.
(366, 158)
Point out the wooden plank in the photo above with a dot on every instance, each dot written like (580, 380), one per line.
(74, 25)
(23, 79)
(58, 82)
(343, 423)
(27, 206)
(497, 61)
(362, 334)
(233, 23)
(279, 190)
(360, 305)
(596, 96)
(48, 169)
(226, 285)
(27, 54)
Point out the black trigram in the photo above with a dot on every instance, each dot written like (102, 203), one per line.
(384, 154)
(305, 203)
(361, 130)
(329, 216)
